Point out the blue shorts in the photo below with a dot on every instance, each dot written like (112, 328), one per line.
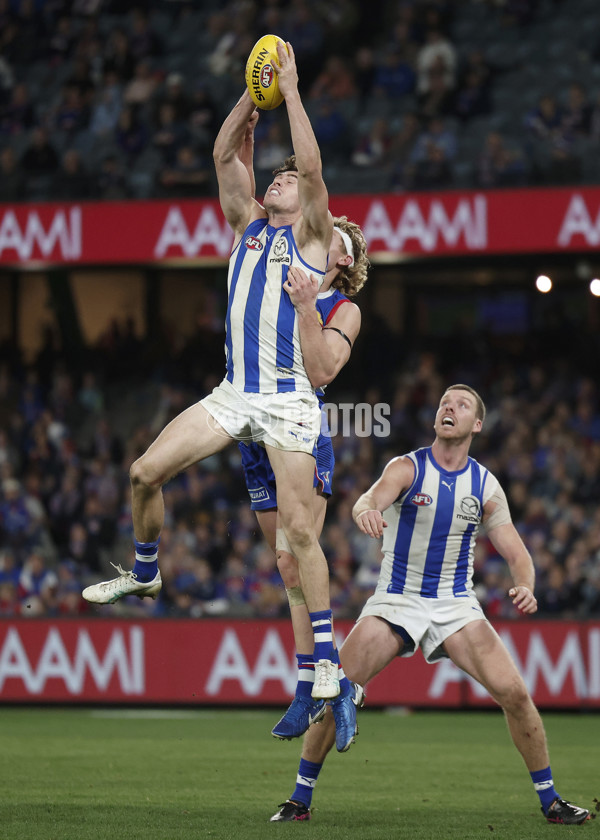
(260, 479)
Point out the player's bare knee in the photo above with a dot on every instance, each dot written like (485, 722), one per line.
(514, 697)
(141, 475)
(300, 535)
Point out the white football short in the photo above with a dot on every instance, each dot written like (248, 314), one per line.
(428, 621)
(290, 420)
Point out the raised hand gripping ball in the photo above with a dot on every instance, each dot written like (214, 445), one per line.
(261, 77)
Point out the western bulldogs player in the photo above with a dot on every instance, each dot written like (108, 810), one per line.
(337, 320)
(428, 506)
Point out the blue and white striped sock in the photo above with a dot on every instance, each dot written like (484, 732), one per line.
(306, 674)
(322, 624)
(306, 779)
(146, 560)
(544, 786)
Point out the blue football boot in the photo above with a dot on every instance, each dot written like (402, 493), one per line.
(301, 712)
(344, 713)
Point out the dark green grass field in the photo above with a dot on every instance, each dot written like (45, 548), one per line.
(120, 774)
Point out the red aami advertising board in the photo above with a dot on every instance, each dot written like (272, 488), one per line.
(252, 662)
(430, 224)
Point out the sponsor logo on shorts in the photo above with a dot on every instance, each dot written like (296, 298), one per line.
(258, 494)
(253, 243)
(471, 509)
(299, 434)
(421, 499)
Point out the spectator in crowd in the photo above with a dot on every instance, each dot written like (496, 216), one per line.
(432, 171)
(118, 56)
(143, 41)
(401, 148)
(12, 179)
(365, 71)
(106, 109)
(18, 114)
(439, 100)
(40, 158)
(131, 135)
(142, 87)
(439, 54)
(111, 180)
(472, 97)
(373, 144)
(331, 131)
(499, 165)
(72, 182)
(437, 134)
(188, 176)
(171, 133)
(394, 77)
(174, 94)
(202, 117)
(335, 81)
(70, 115)
(577, 113)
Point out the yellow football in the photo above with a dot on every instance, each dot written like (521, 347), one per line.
(261, 76)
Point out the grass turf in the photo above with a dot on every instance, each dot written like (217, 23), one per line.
(78, 774)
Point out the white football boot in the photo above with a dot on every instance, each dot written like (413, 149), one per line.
(127, 583)
(327, 683)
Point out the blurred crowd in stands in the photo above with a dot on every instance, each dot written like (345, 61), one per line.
(67, 440)
(111, 99)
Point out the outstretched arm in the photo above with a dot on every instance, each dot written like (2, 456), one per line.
(236, 192)
(317, 222)
(246, 150)
(325, 351)
(507, 542)
(395, 479)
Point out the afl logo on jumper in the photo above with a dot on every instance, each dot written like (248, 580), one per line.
(421, 499)
(253, 243)
(471, 509)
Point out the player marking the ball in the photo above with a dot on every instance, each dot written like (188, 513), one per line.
(266, 395)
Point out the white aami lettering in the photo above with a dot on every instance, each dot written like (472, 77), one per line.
(578, 222)
(272, 664)
(208, 231)
(538, 664)
(54, 662)
(468, 222)
(594, 659)
(34, 242)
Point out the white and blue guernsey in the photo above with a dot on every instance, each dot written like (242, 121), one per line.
(262, 346)
(428, 544)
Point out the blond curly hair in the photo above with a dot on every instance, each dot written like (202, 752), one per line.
(352, 278)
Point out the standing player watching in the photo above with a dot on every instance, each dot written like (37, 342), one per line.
(428, 506)
(328, 329)
(266, 394)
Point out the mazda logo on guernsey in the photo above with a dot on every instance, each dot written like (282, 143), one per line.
(253, 243)
(421, 499)
(471, 508)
